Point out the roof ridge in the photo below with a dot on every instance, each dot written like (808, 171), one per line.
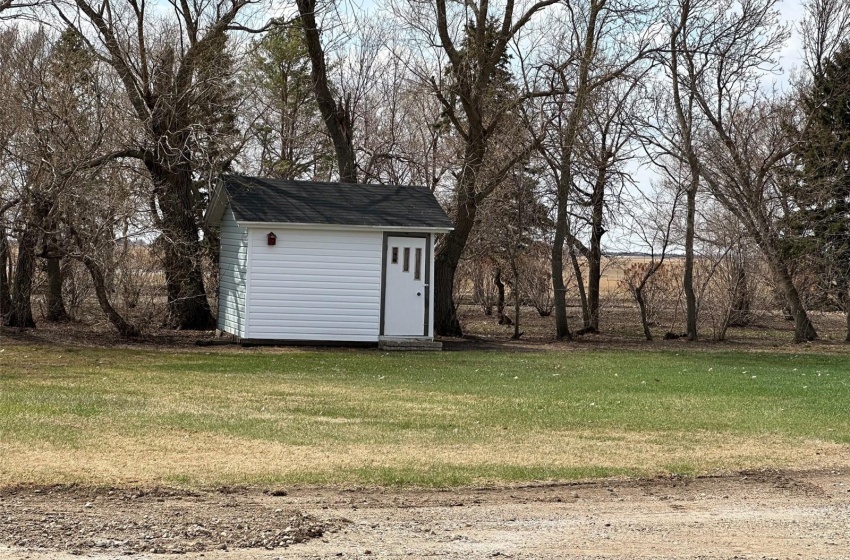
(271, 180)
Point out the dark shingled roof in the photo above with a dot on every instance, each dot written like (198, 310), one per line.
(254, 199)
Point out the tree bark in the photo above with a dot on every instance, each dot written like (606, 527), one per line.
(164, 85)
(643, 319)
(594, 267)
(124, 328)
(500, 298)
(20, 312)
(844, 303)
(188, 307)
(56, 311)
(594, 260)
(688, 275)
(582, 294)
(446, 259)
(562, 328)
(740, 312)
(687, 147)
(567, 141)
(847, 324)
(335, 113)
(448, 254)
(472, 69)
(517, 334)
(5, 297)
(804, 331)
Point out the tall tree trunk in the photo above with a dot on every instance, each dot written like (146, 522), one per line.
(5, 297)
(567, 141)
(481, 292)
(803, 329)
(685, 121)
(447, 256)
(562, 328)
(20, 312)
(594, 268)
(844, 303)
(124, 328)
(446, 322)
(335, 113)
(55, 303)
(740, 309)
(446, 259)
(594, 275)
(188, 306)
(688, 276)
(500, 298)
(847, 323)
(594, 261)
(472, 69)
(582, 293)
(643, 318)
(516, 294)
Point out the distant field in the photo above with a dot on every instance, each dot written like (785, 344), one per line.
(107, 416)
(612, 272)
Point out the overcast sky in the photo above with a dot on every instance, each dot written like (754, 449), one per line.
(792, 55)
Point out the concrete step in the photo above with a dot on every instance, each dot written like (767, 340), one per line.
(411, 344)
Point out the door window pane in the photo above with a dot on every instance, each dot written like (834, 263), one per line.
(395, 255)
(417, 265)
(406, 265)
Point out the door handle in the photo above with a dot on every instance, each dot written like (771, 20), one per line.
(418, 293)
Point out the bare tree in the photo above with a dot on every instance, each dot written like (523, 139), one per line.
(24, 171)
(589, 53)
(824, 28)
(397, 134)
(725, 271)
(745, 142)
(725, 130)
(336, 112)
(744, 173)
(90, 235)
(475, 38)
(175, 76)
(9, 198)
(65, 116)
(5, 262)
(604, 145)
(685, 62)
(512, 222)
(651, 221)
(709, 55)
(10, 9)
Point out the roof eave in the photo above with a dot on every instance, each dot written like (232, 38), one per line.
(218, 204)
(290, 225)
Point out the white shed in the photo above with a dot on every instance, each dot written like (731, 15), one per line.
(325, 262)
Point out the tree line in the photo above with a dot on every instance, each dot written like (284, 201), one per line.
(541, 125)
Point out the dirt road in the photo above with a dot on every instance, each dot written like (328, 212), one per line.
(745, 516)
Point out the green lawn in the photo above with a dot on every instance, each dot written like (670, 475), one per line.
(106, 416)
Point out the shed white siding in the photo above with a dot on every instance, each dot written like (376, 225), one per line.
(233, 267)
(315, 284)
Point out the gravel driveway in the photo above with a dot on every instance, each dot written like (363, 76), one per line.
(756, 515)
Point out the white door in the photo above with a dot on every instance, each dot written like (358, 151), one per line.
(406, 288)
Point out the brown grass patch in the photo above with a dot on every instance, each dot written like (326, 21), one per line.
(207, 459)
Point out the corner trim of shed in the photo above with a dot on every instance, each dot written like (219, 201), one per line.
(218, 205)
